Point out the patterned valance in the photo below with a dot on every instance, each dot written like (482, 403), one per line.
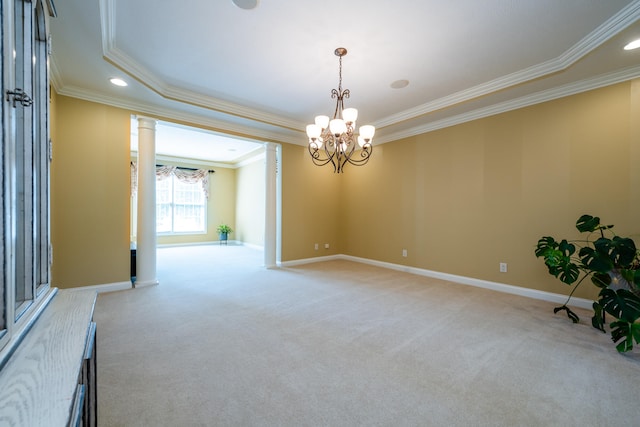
(183, 174)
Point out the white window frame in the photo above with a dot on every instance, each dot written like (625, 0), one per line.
(25, 252)
(172, 232)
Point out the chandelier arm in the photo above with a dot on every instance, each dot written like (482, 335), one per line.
(365, 154)
(332, 156)
(344, 161)
(351, 146)
(323, 156)
(321, 162)
(339, 106)
(315, 153)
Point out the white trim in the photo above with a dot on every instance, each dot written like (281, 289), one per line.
(293, 137)
(309, 260)
(229, 242)
(107, 287)
(604, 32)
(211, 242)
(190, 161)
(292, 132)
(517, 103)
(494, 286)
(256, 157)
(130, 66)
(174, 245)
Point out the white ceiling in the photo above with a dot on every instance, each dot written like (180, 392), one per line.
(174, 140)
(265, 73)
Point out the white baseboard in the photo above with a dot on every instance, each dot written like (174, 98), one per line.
(495, 286)
(310, 260)
(176, 245)
(108, 287)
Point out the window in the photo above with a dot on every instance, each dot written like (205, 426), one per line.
(25, 250)
(181, 207)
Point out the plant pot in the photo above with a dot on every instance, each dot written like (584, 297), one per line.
(223, 236)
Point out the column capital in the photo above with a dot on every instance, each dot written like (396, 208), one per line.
(271, 146)
(146, 122)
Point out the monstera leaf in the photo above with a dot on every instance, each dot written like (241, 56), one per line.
(608, 253)
(624, 334)
(625, 306)
(601, 280)
(621, 250)
(595, 260)
(558, 258)
(621, 304)
(589, 224)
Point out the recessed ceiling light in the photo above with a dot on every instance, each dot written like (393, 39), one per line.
(399, 84)
(118, 82)
(246, 4)
(633, 45)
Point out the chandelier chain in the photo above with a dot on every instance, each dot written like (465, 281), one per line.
(340, 74)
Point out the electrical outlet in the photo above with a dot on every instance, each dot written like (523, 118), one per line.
(326, 246)
(404, 253)
(316, 247)
(503, 267)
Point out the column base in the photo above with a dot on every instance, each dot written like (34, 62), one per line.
(145, 283)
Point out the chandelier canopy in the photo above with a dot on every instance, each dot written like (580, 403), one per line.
(334, 140)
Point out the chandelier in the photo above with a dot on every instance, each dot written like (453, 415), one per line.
(334, 140)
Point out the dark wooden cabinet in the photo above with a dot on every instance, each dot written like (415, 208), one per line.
(89, 380)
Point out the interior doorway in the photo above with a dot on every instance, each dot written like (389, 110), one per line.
(244, 185)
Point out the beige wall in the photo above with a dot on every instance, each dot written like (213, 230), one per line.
(250, 203)
(311, 210)
(463, 199)
(460, 200)
(89, 193)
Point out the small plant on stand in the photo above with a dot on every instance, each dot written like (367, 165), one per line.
(223, 233)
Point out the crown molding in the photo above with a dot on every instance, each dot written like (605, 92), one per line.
(244, 132)
(615, 24)
(253, 157)
(147, 78)
(292, 130)
(514, 104)
(130, 66)
(55, 78)
(195, 162)
(260, 135)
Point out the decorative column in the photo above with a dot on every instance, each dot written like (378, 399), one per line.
(270, 206)
(146, 235)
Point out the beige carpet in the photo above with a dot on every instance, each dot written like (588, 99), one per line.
(223, 342)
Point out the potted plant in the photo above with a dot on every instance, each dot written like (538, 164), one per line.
(613, 265)
(223, 232)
